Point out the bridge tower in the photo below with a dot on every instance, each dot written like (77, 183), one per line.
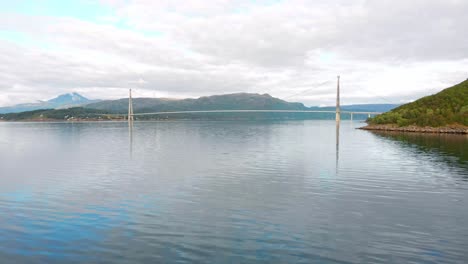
(338, 111)
(130, 106)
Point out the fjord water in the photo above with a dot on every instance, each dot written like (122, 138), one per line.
(230, 192)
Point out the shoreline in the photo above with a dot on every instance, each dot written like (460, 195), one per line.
(161, 119)
(453, 129)
(61, 121)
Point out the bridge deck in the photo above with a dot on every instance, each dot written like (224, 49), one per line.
(253, 111)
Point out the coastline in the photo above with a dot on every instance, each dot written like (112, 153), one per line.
(452, 129)
(51, 120)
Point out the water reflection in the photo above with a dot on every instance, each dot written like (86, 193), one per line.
(337, 143)
(130, 136)
(452, 148)
(33, 226)
(228, 192)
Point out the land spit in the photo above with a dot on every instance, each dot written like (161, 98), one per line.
(453, 129)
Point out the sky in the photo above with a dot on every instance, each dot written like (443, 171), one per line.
(386, 51)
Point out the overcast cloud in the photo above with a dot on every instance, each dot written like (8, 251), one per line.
(385, 51)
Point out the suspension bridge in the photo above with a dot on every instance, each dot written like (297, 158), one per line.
(131, 115)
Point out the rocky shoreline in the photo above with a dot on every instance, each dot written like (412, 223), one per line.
(455, 129)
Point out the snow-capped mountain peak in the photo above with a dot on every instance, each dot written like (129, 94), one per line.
(62, 101)
(69, 98)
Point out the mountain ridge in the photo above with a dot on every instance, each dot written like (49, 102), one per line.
(66, 100)
(235, 101)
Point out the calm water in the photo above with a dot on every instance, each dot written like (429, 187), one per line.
(230, 192)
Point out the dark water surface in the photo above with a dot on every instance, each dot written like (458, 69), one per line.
(230, 192)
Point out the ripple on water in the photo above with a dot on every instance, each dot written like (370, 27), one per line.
(235, 192)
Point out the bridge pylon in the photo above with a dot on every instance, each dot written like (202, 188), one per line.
(130, 106)
(338, 110)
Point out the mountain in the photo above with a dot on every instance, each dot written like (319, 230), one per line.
(71, 114)
(69, 99)
(362, 107)
(448, 107)
(369, 107)
(61, 101)
(237, 101)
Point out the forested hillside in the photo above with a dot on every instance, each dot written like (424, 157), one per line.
(56, 114)
(447, 107)
(215, 102)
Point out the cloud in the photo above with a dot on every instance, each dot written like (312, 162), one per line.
(384, 50)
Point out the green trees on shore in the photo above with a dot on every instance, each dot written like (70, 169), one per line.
(447, 107)
(57, 114)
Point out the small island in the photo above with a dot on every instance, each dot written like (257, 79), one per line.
(444, 112)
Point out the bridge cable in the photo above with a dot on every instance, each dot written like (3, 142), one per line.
(307, 90)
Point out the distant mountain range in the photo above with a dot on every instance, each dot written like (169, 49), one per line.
(381, 108)
(62, 101)
(236, 101)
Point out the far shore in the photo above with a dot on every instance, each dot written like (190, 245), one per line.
(451, 129)
(47, 120)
